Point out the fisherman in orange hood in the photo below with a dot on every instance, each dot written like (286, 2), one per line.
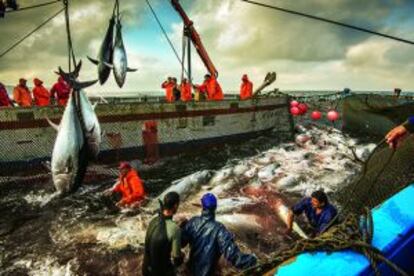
(129, 185)
(186, 91)
(212, 87)
(61, 91)
(169, 85)
(40, 93)
(246, 89)
(21, 94)
(4, 97)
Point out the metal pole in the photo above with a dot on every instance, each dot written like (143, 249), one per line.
(190, 78)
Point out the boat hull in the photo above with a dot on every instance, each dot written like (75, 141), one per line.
(375, 115)
(132, 130)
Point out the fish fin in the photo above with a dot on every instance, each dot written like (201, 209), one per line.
(69, 165)
(94, 105)
(94, 61)
(103, 133)
(80, 85)
(77, 69)
(131, 70)
(92, 129)
(52, 124)
(109, 65)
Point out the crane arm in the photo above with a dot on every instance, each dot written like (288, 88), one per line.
(195, 38)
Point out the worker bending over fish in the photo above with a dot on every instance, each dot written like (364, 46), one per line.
(129, 185)
(317, 209)
(209, 239)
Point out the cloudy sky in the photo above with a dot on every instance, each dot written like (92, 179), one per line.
(240, 38)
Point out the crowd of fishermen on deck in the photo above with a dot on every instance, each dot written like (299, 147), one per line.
(210, 89)
(39, 96)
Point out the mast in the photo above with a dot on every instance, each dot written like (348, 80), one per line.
(193, 35)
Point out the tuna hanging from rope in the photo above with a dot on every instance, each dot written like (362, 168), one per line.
(105, 53)
(68, 156)
(78, 138)
(119, 57)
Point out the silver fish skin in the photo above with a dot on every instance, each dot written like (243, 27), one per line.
(105, 53)
(92, 127)
(119, 58)
(185, 186)
(66, 155)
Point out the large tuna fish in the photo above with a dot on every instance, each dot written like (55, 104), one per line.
(91, 125)
(69, 152)
(105, 53)
(119, 58)
(185, 186)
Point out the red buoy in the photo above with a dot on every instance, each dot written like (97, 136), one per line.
(294, 104)
(295, 111)
(303, 108)
(316, 115)
(332, 115)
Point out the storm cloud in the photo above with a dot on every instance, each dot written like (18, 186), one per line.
(240, 38)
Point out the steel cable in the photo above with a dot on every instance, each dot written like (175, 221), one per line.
(361, 29)
(30, 33)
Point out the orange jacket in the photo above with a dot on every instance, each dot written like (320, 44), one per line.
(246, 90)
(214, 91)
(186, 92)
(22, 96)
(169, 90)
(131, 187)
(61, 91)
(212, 88)
(41, 95)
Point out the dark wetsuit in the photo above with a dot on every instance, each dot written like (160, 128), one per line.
(162, 247)
(209, 240)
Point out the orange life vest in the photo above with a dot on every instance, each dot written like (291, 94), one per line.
(186, 92)
(41, 96)
(169, 91)
(246, 90)
(131, 187)
(22, 96)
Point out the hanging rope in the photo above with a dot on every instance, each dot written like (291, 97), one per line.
(30, 33)
(35, 6)
(71, 53)
(166, 36)
(330, 21)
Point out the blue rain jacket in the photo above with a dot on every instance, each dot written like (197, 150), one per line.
(209, 240)
(319, 222)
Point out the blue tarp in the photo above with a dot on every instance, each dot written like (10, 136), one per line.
(393, 235)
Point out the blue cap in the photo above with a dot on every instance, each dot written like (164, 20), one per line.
(209, 201)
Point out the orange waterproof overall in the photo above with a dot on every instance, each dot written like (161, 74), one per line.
(131, 188)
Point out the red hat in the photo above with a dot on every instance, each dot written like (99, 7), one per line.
(124, 165)
(36, 81)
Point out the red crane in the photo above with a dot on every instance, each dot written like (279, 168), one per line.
(192, 35)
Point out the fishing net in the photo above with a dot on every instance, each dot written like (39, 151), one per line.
(383, 174)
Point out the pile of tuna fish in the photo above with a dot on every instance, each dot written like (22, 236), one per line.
(253, 194)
